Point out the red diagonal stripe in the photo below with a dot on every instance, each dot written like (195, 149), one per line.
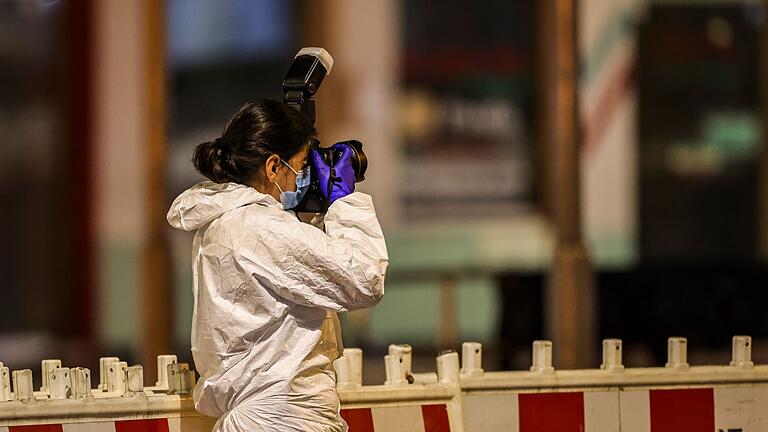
(552, 412)
(612, 96)
(144, 425)
(358, 419)
(36, 428)
(684, 410)
(435, 418)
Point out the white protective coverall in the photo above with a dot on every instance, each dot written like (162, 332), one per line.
(266, 289)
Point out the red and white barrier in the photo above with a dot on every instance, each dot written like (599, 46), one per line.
(677, 397)
(66, 402)
(398, 405)
(416, 418)
(170, 424)
(742, 409)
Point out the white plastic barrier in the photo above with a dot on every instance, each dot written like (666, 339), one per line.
(677, 397)
(432, 402)
(415, 407)
(120, 403)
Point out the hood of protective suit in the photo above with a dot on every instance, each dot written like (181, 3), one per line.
(207, 200)
(266, 288)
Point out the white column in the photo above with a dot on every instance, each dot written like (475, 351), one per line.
(359, 98)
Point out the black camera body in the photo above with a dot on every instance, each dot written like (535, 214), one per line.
(314, 200)
(302, 81)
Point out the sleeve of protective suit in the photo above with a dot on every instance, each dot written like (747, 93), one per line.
(341, 269)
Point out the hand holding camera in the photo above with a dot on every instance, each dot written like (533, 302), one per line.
(335, 170)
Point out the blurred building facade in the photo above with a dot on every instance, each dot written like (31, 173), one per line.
(447, 98)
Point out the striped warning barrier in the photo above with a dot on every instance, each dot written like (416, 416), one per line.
(424, 417)
(170, 424)
(730, 409)
(408, 403)
(65, 402)
(677, 397)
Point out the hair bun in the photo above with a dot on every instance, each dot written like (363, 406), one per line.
(218, 146)
(208, 159)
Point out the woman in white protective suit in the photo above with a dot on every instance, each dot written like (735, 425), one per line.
(266, 285)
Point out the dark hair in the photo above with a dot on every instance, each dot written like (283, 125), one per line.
(260, 129)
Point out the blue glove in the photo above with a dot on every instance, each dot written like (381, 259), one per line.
(337, 179)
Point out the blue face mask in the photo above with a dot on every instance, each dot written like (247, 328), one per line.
(291, 199)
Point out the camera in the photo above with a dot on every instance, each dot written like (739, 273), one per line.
(309, 68)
